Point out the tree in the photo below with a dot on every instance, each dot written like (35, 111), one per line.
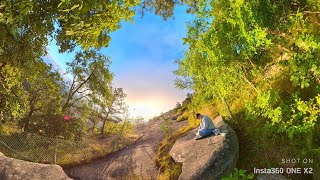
(90, 76)
(126, 118)
(165, 8)
(26, 25)
(241, 51)
(138, 120)
(92, 118)
(89, 24)
(258, 61)
(11, 93)
(43, 90)
(110, 104)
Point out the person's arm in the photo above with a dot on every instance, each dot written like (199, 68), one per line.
(201, 125)
(205, 122)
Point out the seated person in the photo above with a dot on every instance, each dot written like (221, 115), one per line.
(206, 127)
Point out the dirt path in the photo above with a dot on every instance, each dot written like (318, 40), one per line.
(132, 162)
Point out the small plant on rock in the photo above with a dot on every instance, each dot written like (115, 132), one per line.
(239, 175)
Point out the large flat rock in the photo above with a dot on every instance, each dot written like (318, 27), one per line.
(15, 169)
(207, 158)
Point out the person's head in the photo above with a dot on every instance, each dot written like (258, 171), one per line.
(199, 116)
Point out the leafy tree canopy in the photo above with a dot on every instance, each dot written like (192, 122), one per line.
(264, 54)
(28, 24)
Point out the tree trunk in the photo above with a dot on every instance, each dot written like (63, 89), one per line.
(27, 121)
(26, 124)
(103, 125)
(93, 127)
(124, 124)
(104, 121)
(226, 104)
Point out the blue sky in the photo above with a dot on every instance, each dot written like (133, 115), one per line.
(143, 55)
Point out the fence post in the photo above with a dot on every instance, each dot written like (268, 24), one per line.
(55, 151)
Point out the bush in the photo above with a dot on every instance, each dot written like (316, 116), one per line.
(239, 174)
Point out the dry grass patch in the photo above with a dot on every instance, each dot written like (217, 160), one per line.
(169, 169)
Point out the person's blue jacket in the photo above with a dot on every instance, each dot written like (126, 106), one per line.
(206, 123)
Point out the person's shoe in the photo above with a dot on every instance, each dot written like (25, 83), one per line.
(216, 132)
(197, 137)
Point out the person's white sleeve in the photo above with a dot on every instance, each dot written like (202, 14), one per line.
(205, 122)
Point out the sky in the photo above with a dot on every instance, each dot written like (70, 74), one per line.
(143, 55)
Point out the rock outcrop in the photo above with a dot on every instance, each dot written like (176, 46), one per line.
(15, 169)
(208, 158)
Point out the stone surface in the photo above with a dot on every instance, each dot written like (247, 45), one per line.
(271, 177)
(208, 158)
(136, 161)
(15, 169)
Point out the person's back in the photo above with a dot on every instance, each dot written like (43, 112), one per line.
(206, 123)
(206, 127)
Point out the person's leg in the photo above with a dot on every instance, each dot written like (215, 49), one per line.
(205, 132)
(216, 132)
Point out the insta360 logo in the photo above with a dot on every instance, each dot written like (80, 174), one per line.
(289, 170)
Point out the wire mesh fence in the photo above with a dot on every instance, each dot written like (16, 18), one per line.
(35, 148)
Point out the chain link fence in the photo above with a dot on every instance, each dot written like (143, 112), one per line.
(35, 148)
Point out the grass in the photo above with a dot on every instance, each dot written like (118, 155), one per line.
(94, 149)
(260, 147)
(68, 153)
(169, 169)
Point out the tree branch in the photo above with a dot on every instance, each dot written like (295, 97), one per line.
(84, 96)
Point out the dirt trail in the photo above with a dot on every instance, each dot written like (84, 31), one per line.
(132, 162)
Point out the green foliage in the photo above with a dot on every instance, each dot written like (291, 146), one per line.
(110, 103)
(10, 93)
(165, 127)
(239, 175)
(234, 50)
(89, 24)
(43, 89)
(91, 76)
(260, 60)
(165, 8)
(54, 125)
(304, 65)
(169, 169)
(38, 98)
(71, 23)
(304, 116)
(123, 128)
(25, 30)
(299, 117)
(263, 106)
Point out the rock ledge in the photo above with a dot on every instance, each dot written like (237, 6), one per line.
(15, 169)
(208, 158)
